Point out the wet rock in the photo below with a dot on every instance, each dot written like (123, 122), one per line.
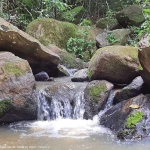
(96, 94)
(130, 16)
(42, 76)
(23, 45)
(117, 64)
(115, 37)
(58, 100)
(133, 89)
(50, 79)
(127, 122)
(17, 94)
(144, 58)
(80, 76)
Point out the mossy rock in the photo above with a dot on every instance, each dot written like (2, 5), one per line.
(95, 95)
(50, 31)
(107, 23)
(117, 64)
(5, 106)
(130, 16)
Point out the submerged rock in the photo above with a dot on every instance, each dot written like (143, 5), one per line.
(96, 94)
(17, 96)
(130, 16)
(117, 64)
(144, 58)
(127, 122)
(133, 89)
(80, 76)
(23, 45)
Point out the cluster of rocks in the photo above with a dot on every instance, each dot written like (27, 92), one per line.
(112, 66)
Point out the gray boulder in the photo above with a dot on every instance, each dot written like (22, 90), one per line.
(80, 76)
(133, 89)
(130, 16)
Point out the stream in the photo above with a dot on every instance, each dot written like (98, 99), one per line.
(61, 126)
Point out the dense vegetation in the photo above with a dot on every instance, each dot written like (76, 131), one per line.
(81, 12)
(21, 12)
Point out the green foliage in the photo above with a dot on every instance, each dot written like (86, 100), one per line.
(5, 105)
(111, 38)
(71, 14)
(138, 32)
(133, 119)
(89, 73)
(80, 44)
(86, 22)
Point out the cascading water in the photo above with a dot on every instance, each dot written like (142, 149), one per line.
(58, 100)
(66, 101)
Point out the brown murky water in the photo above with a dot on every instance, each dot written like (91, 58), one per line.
(64, 134)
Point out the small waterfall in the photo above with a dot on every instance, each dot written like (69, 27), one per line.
(43, 107)
(65, 70)
(79, 105)
(109, 102)
(61, 101)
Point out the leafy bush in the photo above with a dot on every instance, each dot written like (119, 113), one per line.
(86, 22)
(80, 44)
(111, 38)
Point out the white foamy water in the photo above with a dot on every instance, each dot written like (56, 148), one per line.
(61, 128)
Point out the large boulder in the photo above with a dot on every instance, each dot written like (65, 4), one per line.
(129, 91)
(95, 95)
(130, 16)
(115, 37)
(144, 58)
(21, 44)
(17, 98)
(129, 119)
(117, 64)
(50, 31)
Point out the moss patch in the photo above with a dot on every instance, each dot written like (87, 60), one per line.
(5, 105)
(89, 73)
(10, 68)
(96, 91)
(140, 67)
(133, 119)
